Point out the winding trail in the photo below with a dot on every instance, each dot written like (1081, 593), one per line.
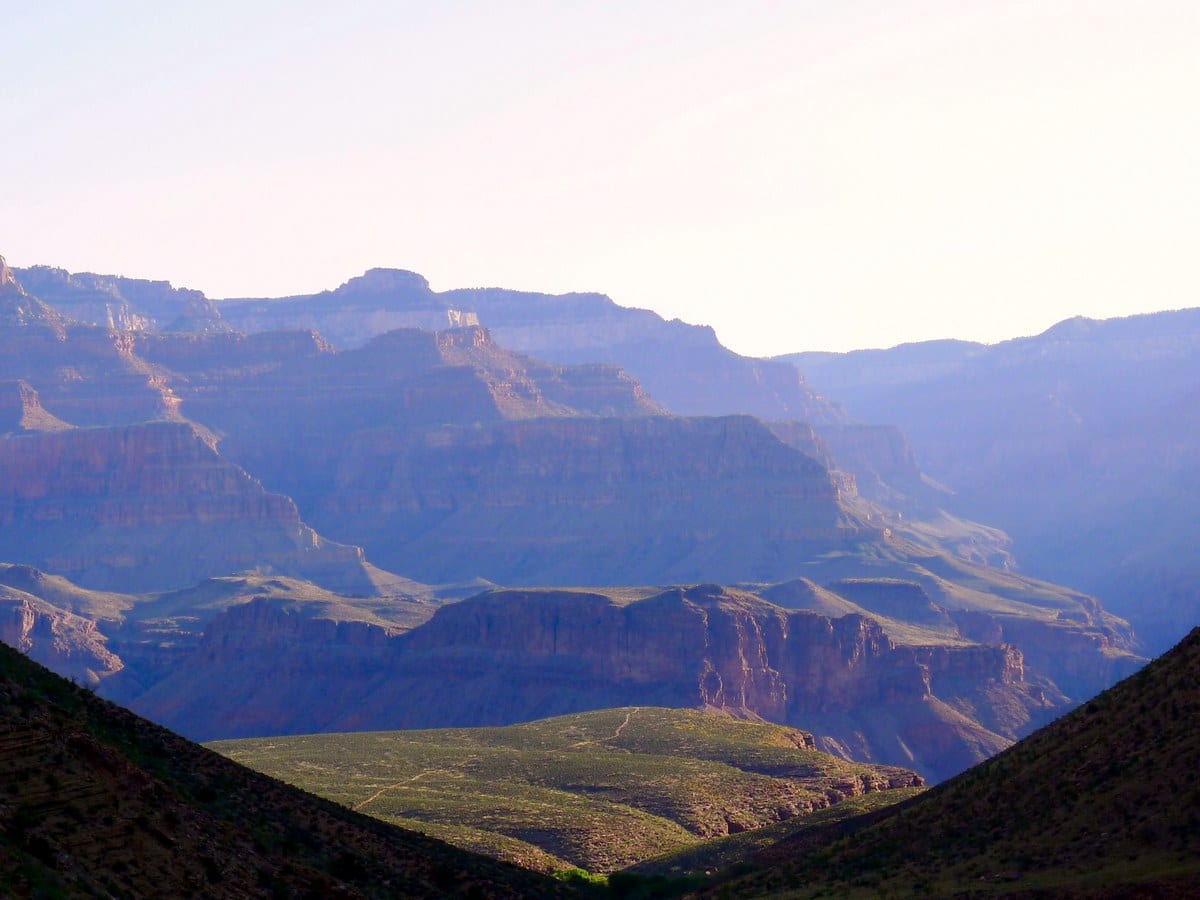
(612, 737)
(357, 807)
(629, 715)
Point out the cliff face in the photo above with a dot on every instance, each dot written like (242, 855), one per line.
(147, 506)
(582, 501)
(404, 377)
(269, 667)
(85, 375)
(510, 656)
(713, 647)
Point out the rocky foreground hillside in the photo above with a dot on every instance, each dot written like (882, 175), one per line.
(99, 802)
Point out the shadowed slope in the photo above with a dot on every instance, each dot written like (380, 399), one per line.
(101, 803)
(1104, 802)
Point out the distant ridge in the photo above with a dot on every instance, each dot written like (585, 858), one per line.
(18, 308)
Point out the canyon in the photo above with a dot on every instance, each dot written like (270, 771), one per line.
(288, 530)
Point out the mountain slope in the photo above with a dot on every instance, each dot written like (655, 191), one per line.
(1105, 802)
(99, 802)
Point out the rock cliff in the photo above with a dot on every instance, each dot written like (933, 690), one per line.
(509, 656)
(149, 506)
(69, 644)
(86, 375)
(582, 501)
(1080, 442)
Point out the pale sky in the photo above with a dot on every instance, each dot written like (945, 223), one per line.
(800, 176)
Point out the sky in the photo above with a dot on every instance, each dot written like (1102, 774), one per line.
(799, 175)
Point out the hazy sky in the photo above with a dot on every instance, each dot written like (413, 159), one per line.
(800, 175)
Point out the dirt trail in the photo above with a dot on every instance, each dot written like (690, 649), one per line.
(357, 807)
(629, 715)
(612, 737)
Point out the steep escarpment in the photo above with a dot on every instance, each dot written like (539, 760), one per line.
(404, 377)
(584, 501)
(19, 309)
(718, 648)
(148, 506)
(510, 656)
(269, 667)
(378, 301)
(86, 375)
(1101, 803)
(1080, 442)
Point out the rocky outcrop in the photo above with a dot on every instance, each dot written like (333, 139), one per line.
(69, 644)
(21, 410)
(378, 301)
(19, 309)
(270, 666)
(122, 304)
(85, 375)
(150, 506)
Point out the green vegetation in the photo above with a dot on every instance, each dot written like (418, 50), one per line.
(598, 790)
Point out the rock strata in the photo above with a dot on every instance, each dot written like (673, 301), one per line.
(148, 506)
(510, 656)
